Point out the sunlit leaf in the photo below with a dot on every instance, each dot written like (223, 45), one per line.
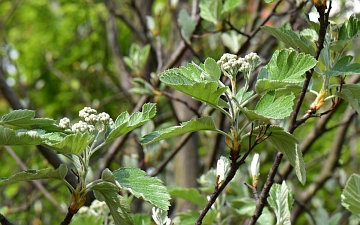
(186, 23)
(343, 67)
(350, 197)
(203, 123)
(350, 29)
(351, 96)
(210, 10)
(71, 144)
(25, 119)
(273, 108)
(17, 117)
(288, 145)
(281, 200)
(119, 208)
(29, 175)
(141, 186)
(190, 194)
(189, 81)
(285, 67)
(20, 137)
(291, 39)
(126, 123)
(229, 5)
(212, 68)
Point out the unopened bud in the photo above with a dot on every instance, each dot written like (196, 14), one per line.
(255, 167)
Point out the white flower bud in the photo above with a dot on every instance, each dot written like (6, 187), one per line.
(64, 123)
(222, 169)
(255, 168)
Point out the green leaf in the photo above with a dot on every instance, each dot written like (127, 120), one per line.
(350, 197)
(352, 96)
(137, 57)
(281, 200)
(241, 96)
(25, 119)
(149, 188)
(271, 1)
(203, 123)
(212, 68)
(285, 67)
(342, 67)
(142, 87)
(141, 219)
(125, 123)
(17, 117)
(187, 24)
(88, 219)
(29, 175)
(229, 5)
(20, 137)
(190, 194)
(189, 81)
(119, 208)
(350, 30)
(288, 66)
(232, 40)
(210, 10)
(288, 145)
(71, 144)
(354, 88)
(291, 39)
(275, 109)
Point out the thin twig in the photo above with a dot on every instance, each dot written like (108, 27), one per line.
(172, 154)
(41, 188)
(254, 32)
(192, 109)
(235, 164)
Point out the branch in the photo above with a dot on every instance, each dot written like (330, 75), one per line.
(4, 221)
(40, 187)
(246, 44)
(235, 164)
(112, 36)
(172, 154)
(329, 166)
(260, 204)
(177, 54)
(15, 103)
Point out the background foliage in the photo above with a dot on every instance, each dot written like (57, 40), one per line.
(58, 56)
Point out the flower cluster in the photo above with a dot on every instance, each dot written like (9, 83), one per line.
(253, 59)
(230, 64)
(82, 127)
(97, 208)
(89, 119)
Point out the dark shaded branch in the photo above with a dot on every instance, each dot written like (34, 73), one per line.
(68, 217)
(8, 93)
(4, 221)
